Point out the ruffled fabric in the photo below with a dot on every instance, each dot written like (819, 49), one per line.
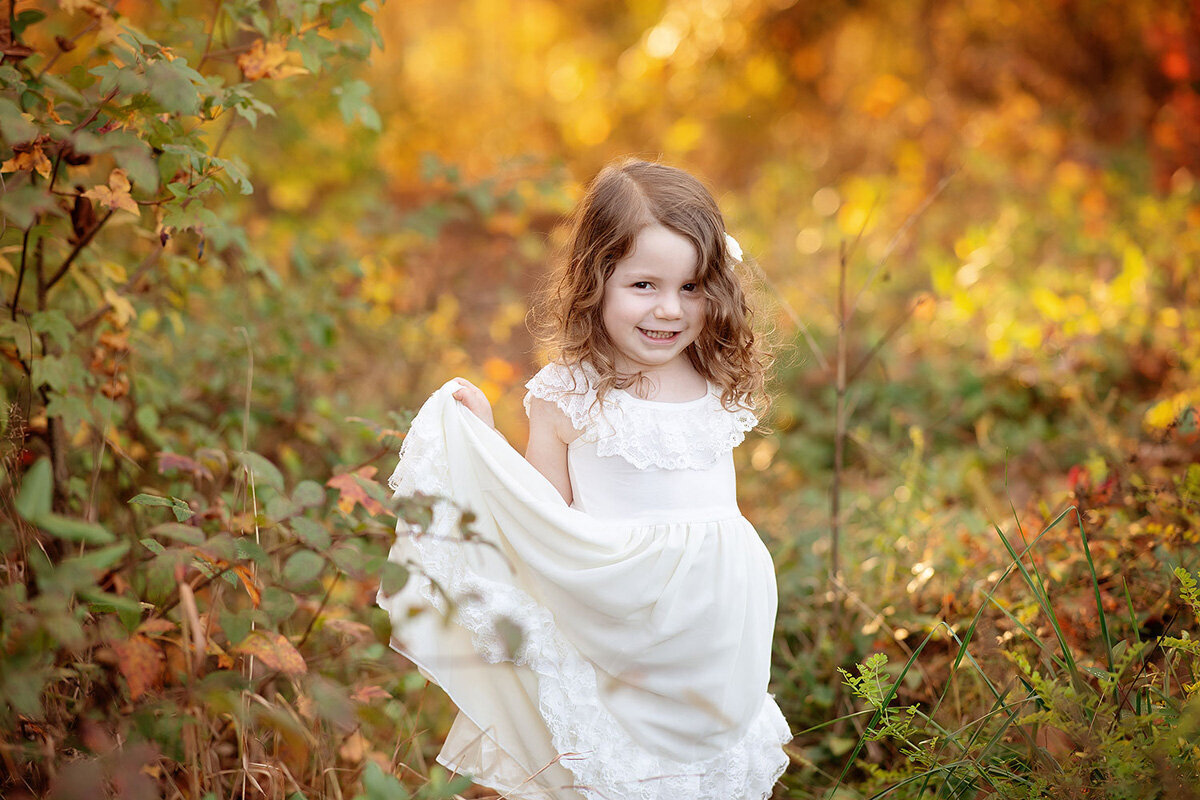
(605, 762)
(645, 433)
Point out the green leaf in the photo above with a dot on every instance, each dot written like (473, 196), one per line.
(308, 494)
(24, 203)
(60, 373)
(378, 785)
(172, 88)
(74, 530)
(312, 533)
(139, 165)
(153, 545)
(33, 501)
(249, 550)
(353, 103)
(279, 508)
(64, 90)
(53, 323)
(178, 507)
(107, 601)
(302, 568)
(180, 533)
(393, 578)
(261, 470)
(13, 125)
(73, 409)
(126, 80)
(235, 625)
(104, 558)
(26, 18)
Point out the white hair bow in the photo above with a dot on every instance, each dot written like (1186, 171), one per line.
(734, 249)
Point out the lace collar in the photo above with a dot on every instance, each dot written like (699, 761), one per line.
(646, 433)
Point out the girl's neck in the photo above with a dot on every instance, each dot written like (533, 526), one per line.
(670, 384)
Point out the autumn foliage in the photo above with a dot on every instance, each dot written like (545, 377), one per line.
(241, 241)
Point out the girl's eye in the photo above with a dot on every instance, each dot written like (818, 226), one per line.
(691, 287)
(642, 285)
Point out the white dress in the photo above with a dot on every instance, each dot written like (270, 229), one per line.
(616, 649)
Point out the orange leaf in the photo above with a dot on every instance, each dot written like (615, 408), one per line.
(157, 625)
(348, 627)
(274, 650)
(267, 61)
(365, 694)
(350, 492)
(31, 159)
(354, 748)
(250, 583)
(141, 662)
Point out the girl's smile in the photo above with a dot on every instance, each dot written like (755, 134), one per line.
(654, 307)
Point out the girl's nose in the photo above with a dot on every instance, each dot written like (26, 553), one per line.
(669, 307)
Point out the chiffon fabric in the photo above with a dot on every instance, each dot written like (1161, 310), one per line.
(615, 649)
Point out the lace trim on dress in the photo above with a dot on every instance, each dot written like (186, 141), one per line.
(646, 434)
(605, 761)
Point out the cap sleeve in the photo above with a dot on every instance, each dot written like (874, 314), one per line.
(567, 387)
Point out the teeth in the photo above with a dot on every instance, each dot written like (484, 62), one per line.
(659, 334)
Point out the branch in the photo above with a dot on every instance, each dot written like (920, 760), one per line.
(147, 263)
(84, 241)
(96, 111)
(21, 273)
(895, 240)
(887, 337)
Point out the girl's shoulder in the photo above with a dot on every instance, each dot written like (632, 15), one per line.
(571, 387)
(646, 433)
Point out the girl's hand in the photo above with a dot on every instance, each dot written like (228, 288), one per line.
(475, 400)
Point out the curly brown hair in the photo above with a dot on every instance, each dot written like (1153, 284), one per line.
(624, 198)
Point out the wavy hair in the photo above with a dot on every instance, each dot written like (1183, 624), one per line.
(624, 198)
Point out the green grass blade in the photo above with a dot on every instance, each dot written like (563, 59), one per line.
(1087, 551)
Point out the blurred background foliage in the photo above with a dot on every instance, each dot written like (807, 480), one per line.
(242, 241)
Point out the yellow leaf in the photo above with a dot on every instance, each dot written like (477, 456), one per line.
(31, 159)
(273, 650)
(116, 195)
(268, 61)
(122, 308)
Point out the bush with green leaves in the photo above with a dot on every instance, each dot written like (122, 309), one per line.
(182, 616)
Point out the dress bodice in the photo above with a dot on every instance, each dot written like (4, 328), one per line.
(645, 459)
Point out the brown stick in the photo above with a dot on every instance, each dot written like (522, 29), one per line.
(84, 241)
(839, 436)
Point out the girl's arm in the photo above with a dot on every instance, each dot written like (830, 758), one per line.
(549, 433)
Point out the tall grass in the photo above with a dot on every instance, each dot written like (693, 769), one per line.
(1118, 720)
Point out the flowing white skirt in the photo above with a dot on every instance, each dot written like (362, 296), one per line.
(587, 657)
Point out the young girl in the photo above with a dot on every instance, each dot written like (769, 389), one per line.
(606, 614)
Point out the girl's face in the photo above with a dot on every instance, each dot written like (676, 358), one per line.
(653, 305)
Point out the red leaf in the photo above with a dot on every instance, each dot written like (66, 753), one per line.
(141, 662)
(173, 462)
(351, 493)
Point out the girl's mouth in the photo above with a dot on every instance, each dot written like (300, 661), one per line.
(659, 336)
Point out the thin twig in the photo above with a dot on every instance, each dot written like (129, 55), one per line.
(895, 240)
(21, 271)
(839, 440)
(84, 241)
(147, 264)
(887, 337)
